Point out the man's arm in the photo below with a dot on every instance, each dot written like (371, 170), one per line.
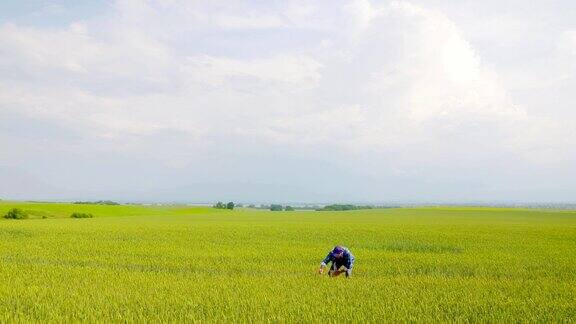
(349, 265)
(351, 262)
(324, 262)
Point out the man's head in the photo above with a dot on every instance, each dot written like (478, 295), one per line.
(338, 252)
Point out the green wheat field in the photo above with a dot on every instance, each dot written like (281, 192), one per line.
(137, 263)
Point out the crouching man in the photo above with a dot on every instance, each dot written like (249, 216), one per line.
(342, 262)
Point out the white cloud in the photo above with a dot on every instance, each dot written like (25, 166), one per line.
(398, 84)
(215, 71)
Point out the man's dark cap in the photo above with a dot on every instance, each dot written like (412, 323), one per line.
(337, 250)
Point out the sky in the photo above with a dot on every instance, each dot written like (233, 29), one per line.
(288, 101)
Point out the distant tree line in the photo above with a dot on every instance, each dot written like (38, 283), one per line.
(99, 202)
(276, 207)
(332, 207)
(221, 205)
(339, 207)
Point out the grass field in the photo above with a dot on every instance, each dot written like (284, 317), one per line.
(134, 263)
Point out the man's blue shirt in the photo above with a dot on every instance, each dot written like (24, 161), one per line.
(347, 259)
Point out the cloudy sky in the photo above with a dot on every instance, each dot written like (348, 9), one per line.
(288, 101)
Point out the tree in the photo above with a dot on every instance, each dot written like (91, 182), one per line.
(220, 205)
(339, 207)
(275, 207)
(289, 208)
(16, 213)
(230, 205)
(81, 215)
